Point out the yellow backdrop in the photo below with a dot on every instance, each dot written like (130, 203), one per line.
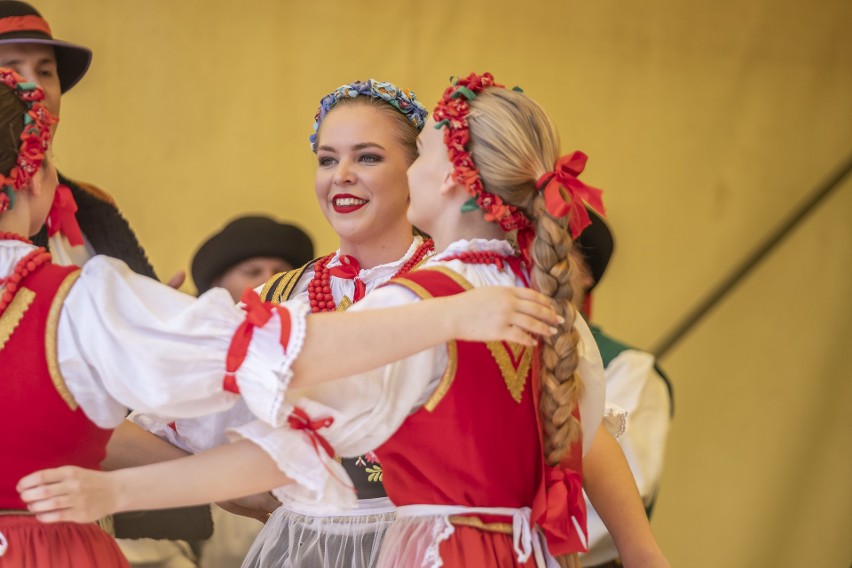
(706, 123)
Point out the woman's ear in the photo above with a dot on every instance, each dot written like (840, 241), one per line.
(448, 182)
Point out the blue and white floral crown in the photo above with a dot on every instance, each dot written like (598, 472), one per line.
(403, 100)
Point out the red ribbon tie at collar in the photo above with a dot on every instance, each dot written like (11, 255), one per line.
(348, 269)
(564, 522)
(299, 420)
(62, 217)
(565, 194)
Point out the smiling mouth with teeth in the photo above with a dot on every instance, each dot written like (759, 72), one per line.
(347, 203)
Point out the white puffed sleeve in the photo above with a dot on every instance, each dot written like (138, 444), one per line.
(126, 341)
(366, 409)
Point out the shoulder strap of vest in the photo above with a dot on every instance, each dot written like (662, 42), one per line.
(433, 282)
(279, 288)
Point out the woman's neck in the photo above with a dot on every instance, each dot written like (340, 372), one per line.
(467, 226)
(377, 251)
(17, 219)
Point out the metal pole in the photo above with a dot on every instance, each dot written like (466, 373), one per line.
(741, 271)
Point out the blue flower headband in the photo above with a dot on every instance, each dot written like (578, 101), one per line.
(403, 100)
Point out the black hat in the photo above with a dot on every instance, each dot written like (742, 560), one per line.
(596, 244)
(21, 23)
(249, 237)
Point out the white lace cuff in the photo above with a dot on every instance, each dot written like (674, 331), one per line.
(615, 419)
(320, 483)
(266, 372)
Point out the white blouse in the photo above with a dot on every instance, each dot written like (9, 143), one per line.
(369, 407)
(126, 341)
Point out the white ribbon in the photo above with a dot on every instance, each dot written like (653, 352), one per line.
(4, 544)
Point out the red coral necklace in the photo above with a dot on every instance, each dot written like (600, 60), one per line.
(319, 288)
(514, 262)
(23, 268)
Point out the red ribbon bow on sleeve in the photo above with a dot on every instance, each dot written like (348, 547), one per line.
(299, 420)
(564, 193)
(62, 217)
(564, 524)
(348, 269)
(257, 314)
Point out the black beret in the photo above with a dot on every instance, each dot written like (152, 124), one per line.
(249, 237)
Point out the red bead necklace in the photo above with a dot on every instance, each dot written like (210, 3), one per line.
(23, 268)
(514, 262)
(319, 288)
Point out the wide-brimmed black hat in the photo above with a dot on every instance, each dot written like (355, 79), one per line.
(21, 23)
(596, 244)
(249, 237)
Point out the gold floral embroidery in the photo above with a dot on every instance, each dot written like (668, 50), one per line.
(50, 339)
(14, 313)
(375, 472)
(514, 361)
(344, 304)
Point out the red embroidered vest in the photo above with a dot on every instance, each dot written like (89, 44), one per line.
(41, 425)
(476, 440)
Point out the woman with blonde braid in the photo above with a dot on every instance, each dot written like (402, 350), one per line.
(489, 448)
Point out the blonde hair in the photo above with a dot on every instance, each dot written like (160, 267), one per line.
(514, 142)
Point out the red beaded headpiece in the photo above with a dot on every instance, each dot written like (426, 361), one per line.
(35, 137)
(452, 112)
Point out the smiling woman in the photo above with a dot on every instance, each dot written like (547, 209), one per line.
(365, 137)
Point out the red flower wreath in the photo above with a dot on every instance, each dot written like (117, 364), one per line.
(35, 137)
(452, 111)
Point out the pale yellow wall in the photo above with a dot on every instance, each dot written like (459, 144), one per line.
(706, 124)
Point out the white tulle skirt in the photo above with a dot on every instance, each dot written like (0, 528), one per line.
(292, 539)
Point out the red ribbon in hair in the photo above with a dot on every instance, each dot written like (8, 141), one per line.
(257, 314)
(62, 217)
(348, 269)
(564, 193)
(299, 420)
(565, 506)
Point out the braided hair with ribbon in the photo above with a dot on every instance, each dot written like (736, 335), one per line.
(505, 150)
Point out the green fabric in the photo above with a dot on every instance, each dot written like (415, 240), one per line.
(609, 347)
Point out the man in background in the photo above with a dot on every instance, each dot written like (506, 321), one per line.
(84, 220)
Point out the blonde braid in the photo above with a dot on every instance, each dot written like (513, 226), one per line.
(514, 142)
(560, 385)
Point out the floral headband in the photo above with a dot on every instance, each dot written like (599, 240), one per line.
(35, 138)
(564, 193)
(403, 100)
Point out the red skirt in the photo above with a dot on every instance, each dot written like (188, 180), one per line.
(469, 546)
(32, 544)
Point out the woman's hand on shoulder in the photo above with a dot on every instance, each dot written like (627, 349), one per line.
(503, 313)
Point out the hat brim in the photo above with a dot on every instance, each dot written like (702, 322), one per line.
(72, 61)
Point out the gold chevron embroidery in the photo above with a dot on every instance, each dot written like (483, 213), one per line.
(50, 339)
(344, 304)
(514, 361)
(14, 313)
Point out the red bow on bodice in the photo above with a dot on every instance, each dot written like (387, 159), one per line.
(348, 269)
